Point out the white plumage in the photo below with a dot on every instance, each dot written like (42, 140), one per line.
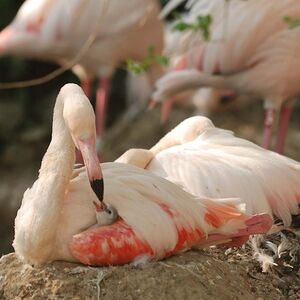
(209, 161)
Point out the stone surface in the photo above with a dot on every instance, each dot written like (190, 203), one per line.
(192, 275)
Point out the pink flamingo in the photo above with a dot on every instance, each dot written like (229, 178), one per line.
(57, 30)
(254, 55)
(139, 215)
(209, 161)
(177, 45)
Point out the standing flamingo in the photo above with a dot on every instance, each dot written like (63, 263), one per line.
(177, 46)
(57, 30)
(257, 54)
(209, 161)
(140, 214)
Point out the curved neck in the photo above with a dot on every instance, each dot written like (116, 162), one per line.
(185, 132)
(43, 203)
(59, 157)
(168, 141)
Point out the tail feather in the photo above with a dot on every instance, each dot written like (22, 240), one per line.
(257, 224)
(231, 226)
(227, 210)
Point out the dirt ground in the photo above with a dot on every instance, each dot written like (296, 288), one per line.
(197, 274)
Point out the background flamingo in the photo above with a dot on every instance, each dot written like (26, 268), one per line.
(255, 56)
(156, 217)
(206, 160)
(177, 43)
(57, 30)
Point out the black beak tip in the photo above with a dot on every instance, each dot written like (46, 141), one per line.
(97, 186)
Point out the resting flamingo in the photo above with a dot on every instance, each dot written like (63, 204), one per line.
(139, 214)
(56, 30)
(209, 161)
(257, 55)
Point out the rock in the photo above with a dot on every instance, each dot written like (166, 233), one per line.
(179, 277)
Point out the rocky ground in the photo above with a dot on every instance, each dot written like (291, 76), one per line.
(197, 274)
(192, 275)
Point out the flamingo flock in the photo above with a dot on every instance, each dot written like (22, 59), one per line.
(199, 185)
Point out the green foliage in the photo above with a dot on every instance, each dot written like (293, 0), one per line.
(202, 24)
(140, 67)
(292, 22)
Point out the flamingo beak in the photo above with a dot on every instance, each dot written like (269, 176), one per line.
(87, 148)
(99, 207)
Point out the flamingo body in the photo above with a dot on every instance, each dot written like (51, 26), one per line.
(57, 219)
(209, 161)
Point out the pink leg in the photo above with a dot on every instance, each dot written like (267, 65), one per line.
(101, 106)
(166, 111)
(285, 115)
(268, 127)
(86, 85)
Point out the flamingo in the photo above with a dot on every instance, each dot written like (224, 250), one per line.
(257, 54)
(56, 30)
(139, 215)
(206, 100)
(209, 161)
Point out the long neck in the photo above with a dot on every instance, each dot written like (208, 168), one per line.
(198, 79)
(168, 141)
(42, 205)
(59, 157)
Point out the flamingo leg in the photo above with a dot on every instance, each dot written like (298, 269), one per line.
(86, 85)
(101, 108)
(268, 127)
(285, 115)
(166, 111)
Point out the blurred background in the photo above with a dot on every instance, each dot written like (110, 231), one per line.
(26, 120)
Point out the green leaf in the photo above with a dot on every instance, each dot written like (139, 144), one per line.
(292, 22)
(163, 60)
(202, 24)
(182, 26)
(140, 67)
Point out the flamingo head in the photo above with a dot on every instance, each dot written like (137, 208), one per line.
(14, 41)
(80, 120)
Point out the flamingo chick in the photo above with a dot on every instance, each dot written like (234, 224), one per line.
(209, 161)
(144, 215)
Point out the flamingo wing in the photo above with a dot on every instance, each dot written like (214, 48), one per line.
(218, 164)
